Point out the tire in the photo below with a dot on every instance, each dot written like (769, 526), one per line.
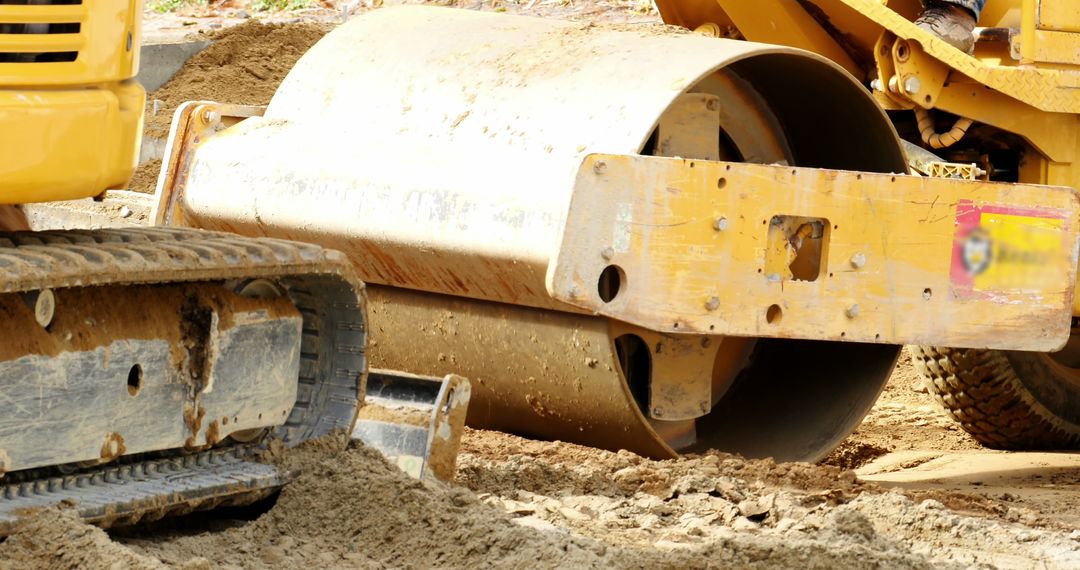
(1005, 400)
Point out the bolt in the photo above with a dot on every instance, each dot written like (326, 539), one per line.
(599, 167)
(713, 303)
(858, 260)
(657, 412)
(912, 85)
(712, 104)
(608, 253)
(211, 116)
(44, 305)
(852, 311)
(720, 224)
(877, 85)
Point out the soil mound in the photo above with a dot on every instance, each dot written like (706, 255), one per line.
(244, 65)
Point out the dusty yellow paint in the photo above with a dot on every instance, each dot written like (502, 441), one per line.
(695, 244)
(71, 128)
(1029, 85)
(1063, 15)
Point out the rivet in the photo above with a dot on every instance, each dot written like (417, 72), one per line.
(607, 253)
(858, 261)
(43, 304)
(713, 303)
(852, 311)
(720, 224)
(599, 167)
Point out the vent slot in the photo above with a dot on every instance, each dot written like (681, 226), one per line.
(68, 28)
(45, 57)
(41, 31)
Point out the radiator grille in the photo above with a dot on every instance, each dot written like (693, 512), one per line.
(41, 31)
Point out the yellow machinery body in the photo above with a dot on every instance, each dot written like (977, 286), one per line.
(70, 112)
(631, 238)
(1023, 78)
(1009, 111)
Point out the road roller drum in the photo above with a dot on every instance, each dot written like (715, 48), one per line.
(629, 237)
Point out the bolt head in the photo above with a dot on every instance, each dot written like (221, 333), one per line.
(599, 167)
(713, 303)
(720, 224)
(858, 261)
(44, 307)
(852, 311)
(211, 116)
(912, 85)
(657, 412)
(607, 253)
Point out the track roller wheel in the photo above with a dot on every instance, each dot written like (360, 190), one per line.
(1005, 399)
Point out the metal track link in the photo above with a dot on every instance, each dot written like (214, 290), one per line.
(147, 490)
(321, 284)
(40, 260)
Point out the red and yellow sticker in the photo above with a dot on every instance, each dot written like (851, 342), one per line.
(1002, 250)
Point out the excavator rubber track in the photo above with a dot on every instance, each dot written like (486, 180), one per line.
(208, 468)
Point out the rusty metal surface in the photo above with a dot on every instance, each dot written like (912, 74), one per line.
(103, 381)
(699, 250)
(327, 377)
(541, 373)
(450, 186)
(558, 376)
(459, 181)
(415, 421)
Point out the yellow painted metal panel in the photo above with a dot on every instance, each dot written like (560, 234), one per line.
(787, 23)
(42, 43)
(1053, 90)
(902, 259)
(1057, 47)
(107, 43)
(62, 145)
(1061, 15)
(42, 13)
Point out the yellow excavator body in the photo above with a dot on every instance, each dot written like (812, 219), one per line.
(70, 111)
(143, 369)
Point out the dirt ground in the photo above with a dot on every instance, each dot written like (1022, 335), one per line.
(523, 503)
(909, 489)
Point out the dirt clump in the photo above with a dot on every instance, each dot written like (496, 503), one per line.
(905, 417)
(145, 178)
(353, 509)
(350, 508)
(244, 65)
(853, 454)
(619, 498)
(56, 538)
